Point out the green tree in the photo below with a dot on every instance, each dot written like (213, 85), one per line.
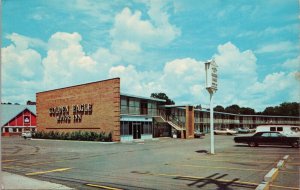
(198, 107)
(286, 109)
(163, 96)
(219, 108)
(247, 111)
(235, 109)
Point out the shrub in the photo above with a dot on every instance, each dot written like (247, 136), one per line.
(75, 135)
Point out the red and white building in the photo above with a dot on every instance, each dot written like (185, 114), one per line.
(16, 119)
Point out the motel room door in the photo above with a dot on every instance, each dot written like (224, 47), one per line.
(136, 129)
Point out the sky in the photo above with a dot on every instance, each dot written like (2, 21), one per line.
(154, 46)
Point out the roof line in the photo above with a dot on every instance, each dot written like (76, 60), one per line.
(17, 115)
(77, 85)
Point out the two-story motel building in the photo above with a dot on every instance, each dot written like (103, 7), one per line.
(101, 107)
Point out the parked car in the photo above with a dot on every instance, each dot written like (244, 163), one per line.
(224, 132)
(268, 138)
(26, 134)
(243, 130)
(198, 134)
(288, 130)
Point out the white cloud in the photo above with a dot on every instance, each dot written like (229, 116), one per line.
(131, 29)
(292, 63)
(180, 79)
(66, 63)
(19, 62)
(23, 42)
(183, 80)
(270, 31)
(284, 46)
(239, 84)
(236, 64)
(21, 69)
(131, 80)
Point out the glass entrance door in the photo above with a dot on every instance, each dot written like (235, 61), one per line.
(136, 130)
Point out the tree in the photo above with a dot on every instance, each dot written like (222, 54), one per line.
(286, 109)
(247, 111)
(219, 108)
(235, 109)
(198, 107)
(163, 96)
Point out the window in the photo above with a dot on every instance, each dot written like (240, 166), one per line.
(134, 106)
(275, 135)
(124, 105)
(124, 128)
(265, 134)
(14, 129)
(279, 128)
(272, 128)
(147, 128)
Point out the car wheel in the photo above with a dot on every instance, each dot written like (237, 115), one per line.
(229, 134)
(24, 137)
(295, 144)
(252, 144)
(215, 133)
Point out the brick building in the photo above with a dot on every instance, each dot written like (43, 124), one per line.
(101, 107)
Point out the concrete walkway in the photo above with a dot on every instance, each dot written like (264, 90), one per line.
(13, 181)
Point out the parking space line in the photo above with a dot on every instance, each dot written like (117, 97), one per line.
(246, 169)
(49, 171)
(264, 152)
(284, 187)
(293, 163)
(197, 178)
(259, 162)
(4, 161)
(102, 187)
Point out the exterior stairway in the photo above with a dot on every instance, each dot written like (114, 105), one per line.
(161, 119)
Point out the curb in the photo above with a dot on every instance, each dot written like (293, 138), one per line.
(99, 142)
(271, 175)
(286, 157)
(280, 164)
(263, 186)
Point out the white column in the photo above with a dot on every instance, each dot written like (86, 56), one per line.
(212, 137)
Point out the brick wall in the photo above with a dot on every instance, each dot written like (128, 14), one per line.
(104, 96)
(190, 121)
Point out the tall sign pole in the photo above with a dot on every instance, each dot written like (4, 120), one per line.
(211, 86)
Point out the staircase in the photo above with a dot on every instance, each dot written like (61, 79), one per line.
(172, 122)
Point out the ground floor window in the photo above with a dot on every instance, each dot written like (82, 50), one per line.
(135, 128)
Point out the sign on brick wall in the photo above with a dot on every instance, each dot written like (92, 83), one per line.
(67, 114)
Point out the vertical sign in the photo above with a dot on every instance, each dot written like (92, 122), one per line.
(211, 86)
(211, 76)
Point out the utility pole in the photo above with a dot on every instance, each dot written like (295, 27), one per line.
(211, 87)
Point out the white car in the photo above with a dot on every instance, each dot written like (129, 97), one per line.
(26, 134)
(224, 132)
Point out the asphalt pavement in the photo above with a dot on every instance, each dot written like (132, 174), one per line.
(155, 164)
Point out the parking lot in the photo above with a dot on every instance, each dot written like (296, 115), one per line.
(163, 163)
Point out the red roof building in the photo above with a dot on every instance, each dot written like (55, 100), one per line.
(16, 119)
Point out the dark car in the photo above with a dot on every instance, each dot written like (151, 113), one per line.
(268, 138)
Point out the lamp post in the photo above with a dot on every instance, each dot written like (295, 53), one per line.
(211, 87)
